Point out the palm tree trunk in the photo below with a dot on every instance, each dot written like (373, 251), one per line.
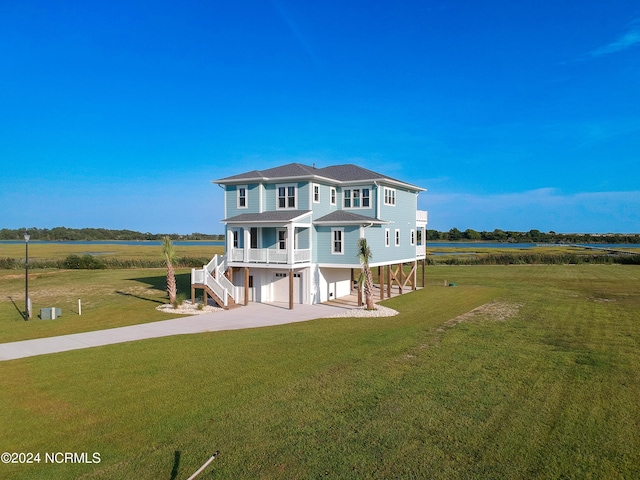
(172, 289)
(368, 288)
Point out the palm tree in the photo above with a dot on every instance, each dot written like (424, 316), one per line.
(170, 255)
(366, 279)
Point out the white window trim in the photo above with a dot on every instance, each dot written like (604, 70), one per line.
(387, 237)
(397, 235)
(389, 196)
(333, 249)
(286, 186)
(313, 193)
(246, 196)
(352, 197)
(412, 237)
(333, 196)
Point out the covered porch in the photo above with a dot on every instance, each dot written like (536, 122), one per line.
(282, 238)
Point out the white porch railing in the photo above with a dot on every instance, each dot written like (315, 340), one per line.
(421, 216)
(212, 275)
(269, 255)
(302, 255)
(224, 281)
(217, 287)
(237, 254)
(421, 251)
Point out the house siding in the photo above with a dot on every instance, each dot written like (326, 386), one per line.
(324, 207)
(253, 200)
(323, 246)
(402, 217)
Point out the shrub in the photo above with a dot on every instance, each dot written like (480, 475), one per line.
(86, 262)
(8, 263)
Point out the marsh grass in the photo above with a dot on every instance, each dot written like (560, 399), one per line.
(548, 390)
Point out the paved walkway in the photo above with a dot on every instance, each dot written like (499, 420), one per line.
(252, 316)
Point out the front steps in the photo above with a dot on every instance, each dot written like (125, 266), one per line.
(209, 293)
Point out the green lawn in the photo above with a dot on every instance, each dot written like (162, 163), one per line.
(542, 383)
(110, 298)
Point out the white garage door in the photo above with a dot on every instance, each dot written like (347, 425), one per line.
(281, 287)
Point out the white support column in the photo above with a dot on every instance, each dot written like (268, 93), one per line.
(229, 242)
(247, 242)
(290, 243)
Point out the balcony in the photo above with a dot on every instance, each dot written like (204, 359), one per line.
(421, 216)
(268, 255)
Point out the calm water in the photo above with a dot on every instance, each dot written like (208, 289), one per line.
(137, 243)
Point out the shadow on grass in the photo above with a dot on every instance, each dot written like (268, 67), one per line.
(23, 315)
(176, 464)
(127, 294)
(159, 282)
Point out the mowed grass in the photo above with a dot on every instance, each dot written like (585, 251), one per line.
(109, 298)
(543, 382)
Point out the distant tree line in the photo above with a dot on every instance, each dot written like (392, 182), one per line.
(453, 235)
(89, 234)
(532, 236)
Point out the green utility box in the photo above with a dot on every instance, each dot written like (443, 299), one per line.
(50, 313)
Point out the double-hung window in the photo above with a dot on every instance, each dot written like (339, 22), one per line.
(397, 237)
(286, 196)
(357, 198)
(337, 241)
(347, 198)
(316, 193)
(387, 237)
(389, 196)
(242, 196)
(333, 196)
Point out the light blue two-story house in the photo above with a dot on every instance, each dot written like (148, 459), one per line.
(292, 233)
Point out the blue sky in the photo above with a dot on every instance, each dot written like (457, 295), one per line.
(513, 115)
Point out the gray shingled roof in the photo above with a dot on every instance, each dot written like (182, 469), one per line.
(340, 216)
(267, 217)
(289, 170)
(338, 173)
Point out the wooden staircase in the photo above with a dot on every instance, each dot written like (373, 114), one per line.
(214, 283)
(208, 292)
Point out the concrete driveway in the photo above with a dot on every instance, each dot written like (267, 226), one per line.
(252, 316)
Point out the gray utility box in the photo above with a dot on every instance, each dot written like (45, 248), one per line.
(50, 313)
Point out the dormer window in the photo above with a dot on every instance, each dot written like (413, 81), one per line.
(287, 196)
